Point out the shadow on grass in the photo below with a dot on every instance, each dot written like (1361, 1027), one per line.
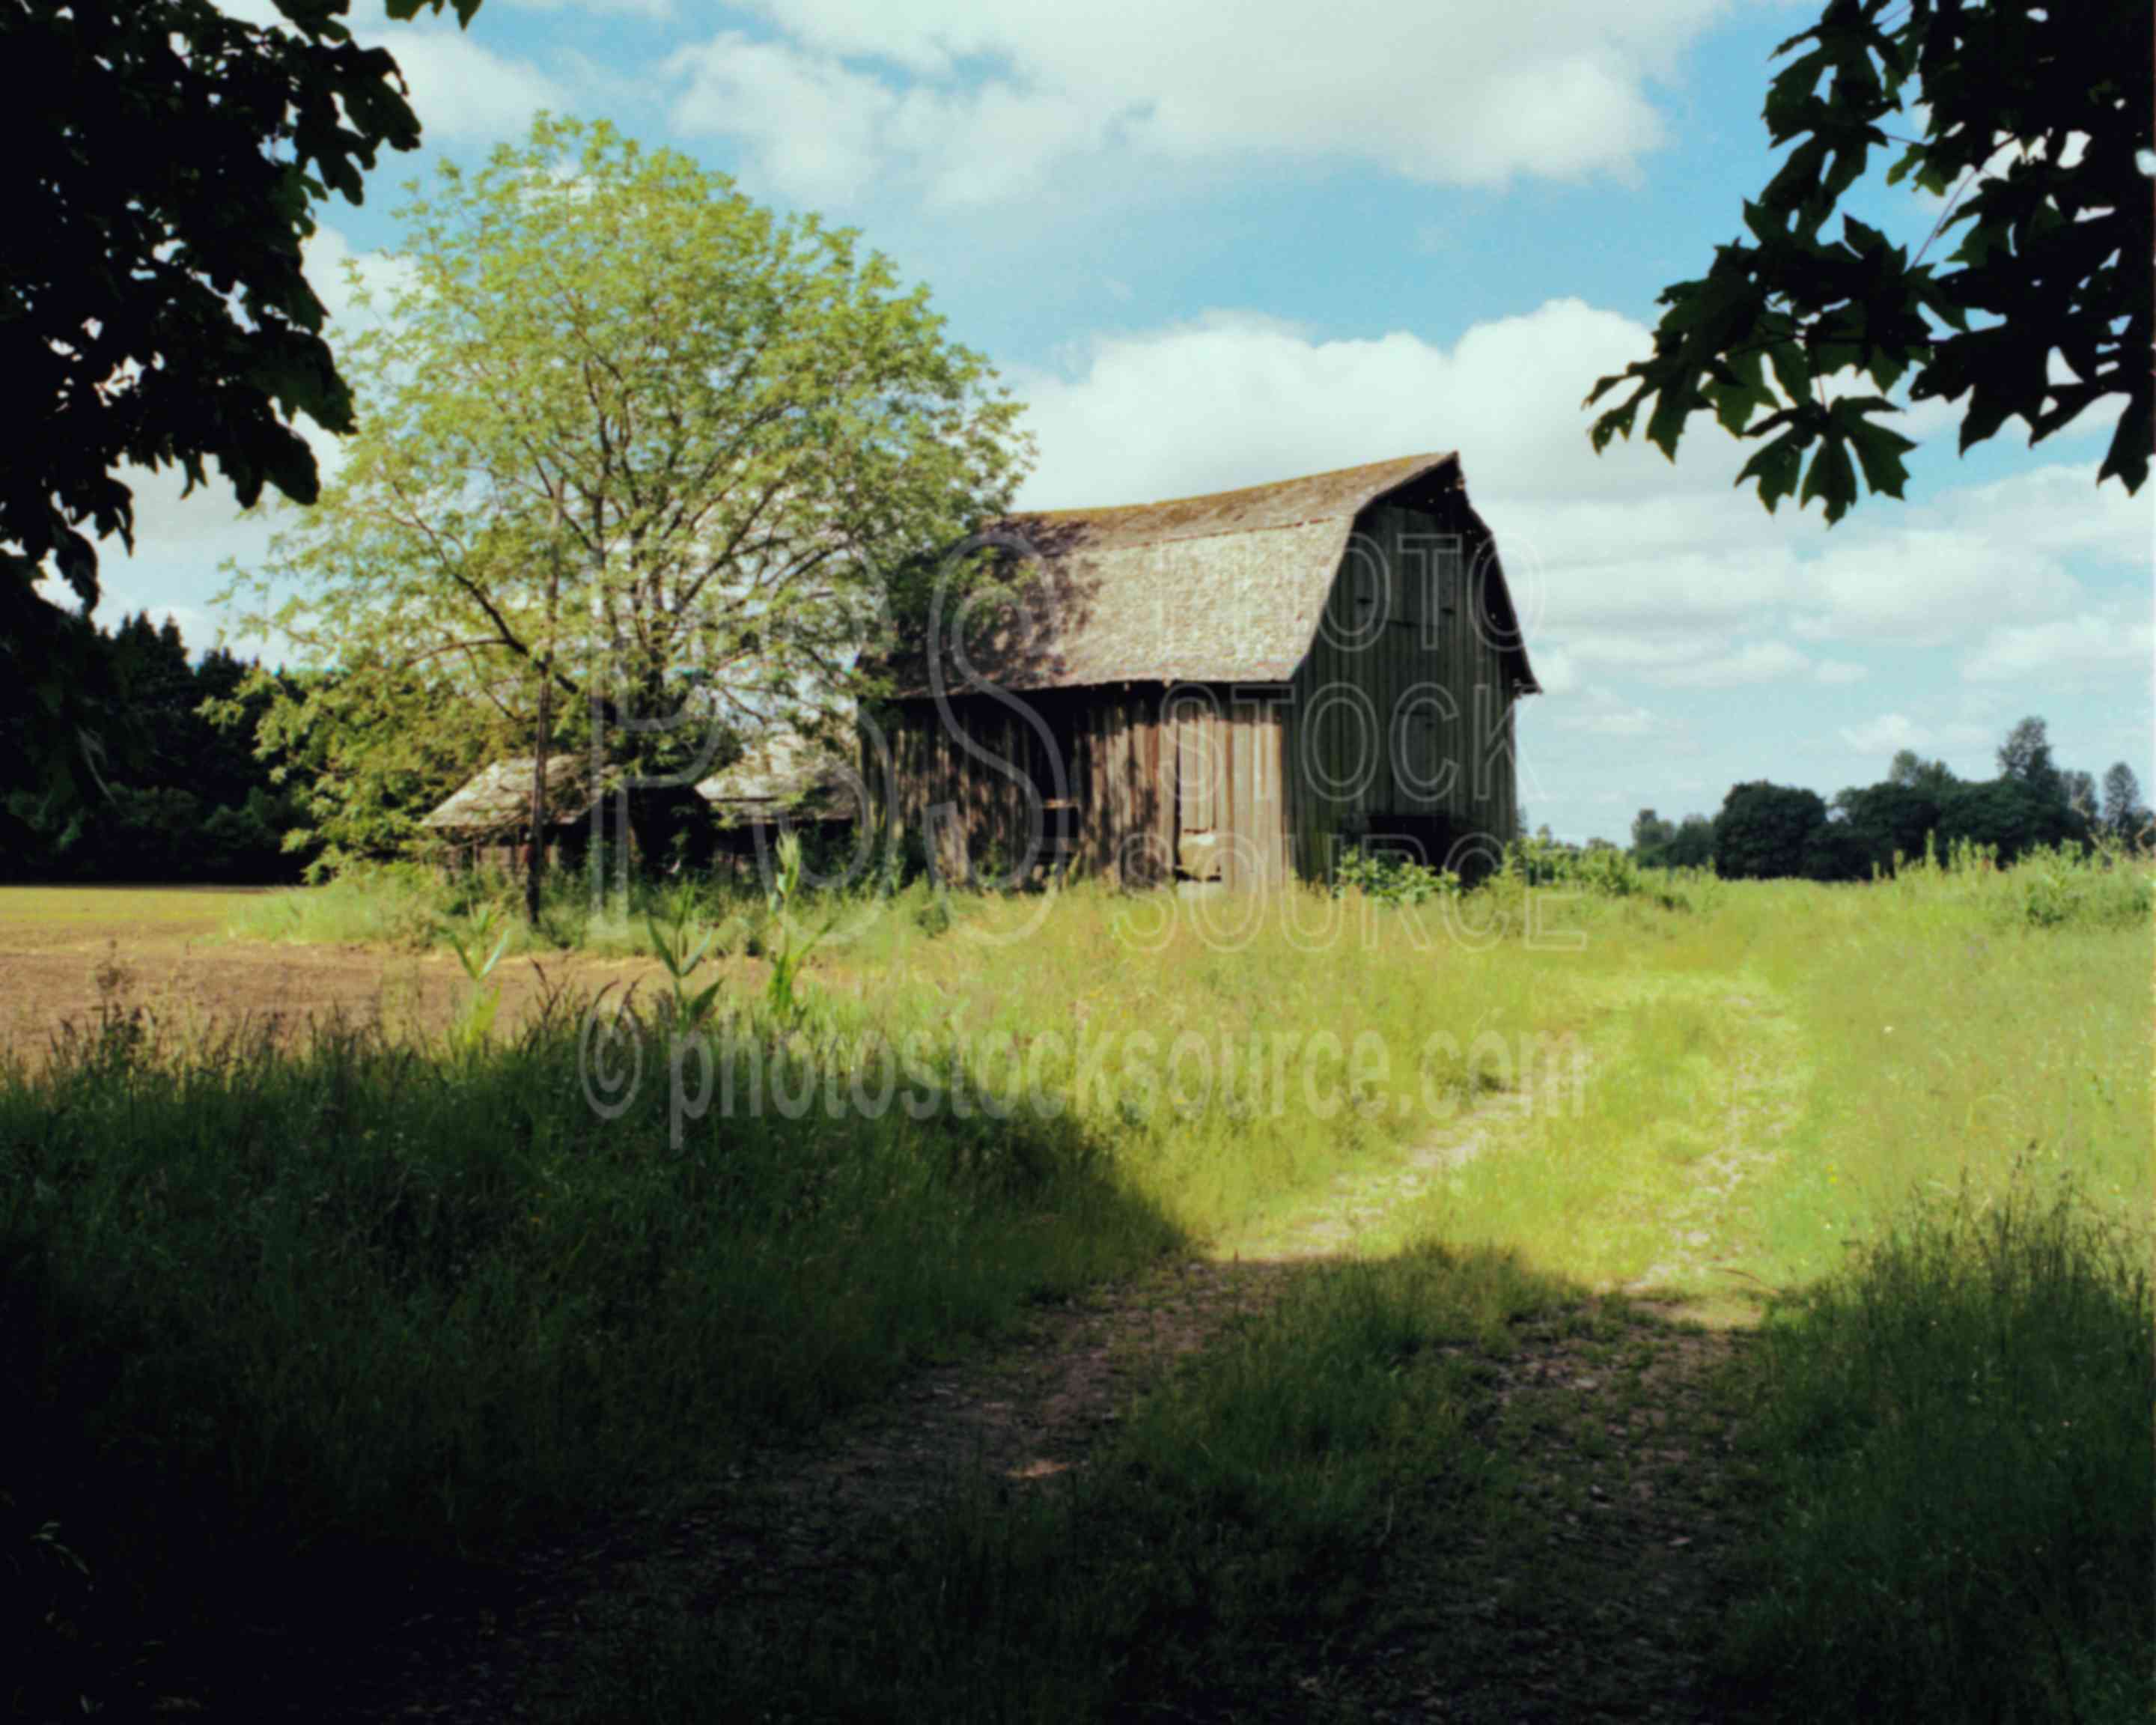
(281, 1329)
(309, 1341)
(1359, 1499)
(1439, 1485)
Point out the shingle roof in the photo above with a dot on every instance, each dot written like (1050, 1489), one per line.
(498, 799)
(785, 771)
(1225, 588)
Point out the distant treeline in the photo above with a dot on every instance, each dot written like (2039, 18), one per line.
(176, 797)
(1767, 831)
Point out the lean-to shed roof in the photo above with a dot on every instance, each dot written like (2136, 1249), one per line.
(786, 773)
(498, 797)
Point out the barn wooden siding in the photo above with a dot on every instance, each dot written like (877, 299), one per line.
(1402, 717)
(976, 785)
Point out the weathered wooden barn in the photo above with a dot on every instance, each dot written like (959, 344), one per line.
(1226, 688)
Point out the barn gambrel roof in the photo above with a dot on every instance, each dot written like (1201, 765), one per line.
(1225, 588)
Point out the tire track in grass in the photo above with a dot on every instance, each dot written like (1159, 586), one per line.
(778, 1529)
(1362, 1201)
(1764, 1099)
(777, 1536)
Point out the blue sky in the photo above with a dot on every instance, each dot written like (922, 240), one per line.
(1216, 244)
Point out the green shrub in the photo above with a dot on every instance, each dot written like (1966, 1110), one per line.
(1601, 870)
(2051, 888)
(2104, 885)
(1393, 878)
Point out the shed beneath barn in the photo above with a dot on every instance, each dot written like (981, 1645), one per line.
(785, 781)
(487, 822)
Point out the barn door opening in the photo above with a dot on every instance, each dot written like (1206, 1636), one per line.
(1054, 763)
(1201, 826)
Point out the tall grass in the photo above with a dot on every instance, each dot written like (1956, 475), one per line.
(1880, 1035)
(1955, 1430)
(423, 1296)
(261, 1304)
(1948, 1036)
(2104, 885)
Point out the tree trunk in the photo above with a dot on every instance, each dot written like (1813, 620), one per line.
(535, 861)
(542, 743)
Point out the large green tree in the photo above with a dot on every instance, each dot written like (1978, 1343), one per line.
(165, 160)
(1651, 836)
(191, 802)
(363, 751)
(2031, 121)
(633, 446)
(1891, 819)
(1764, 831)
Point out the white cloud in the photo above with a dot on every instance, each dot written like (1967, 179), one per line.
(1979, 555)
(813, 127)
(462, 90)
(983, 103)
(1885, 734)
(1753, 663)
(656, 10)
(2062, 647)
(1556, 671)
(181, 545)
(1602, 712)
(1230, 395)
(1624, 561)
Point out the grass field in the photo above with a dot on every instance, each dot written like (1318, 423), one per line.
(32, 917)
(444, 1282)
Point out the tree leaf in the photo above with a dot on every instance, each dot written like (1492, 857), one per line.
(1776, 466)
(2127, 458)
(1880, 450)
(1741, 390)
(1832, 477)
(2049, 257)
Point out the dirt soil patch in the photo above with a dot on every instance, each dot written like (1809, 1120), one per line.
(189, 981)
(1599, 1600)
